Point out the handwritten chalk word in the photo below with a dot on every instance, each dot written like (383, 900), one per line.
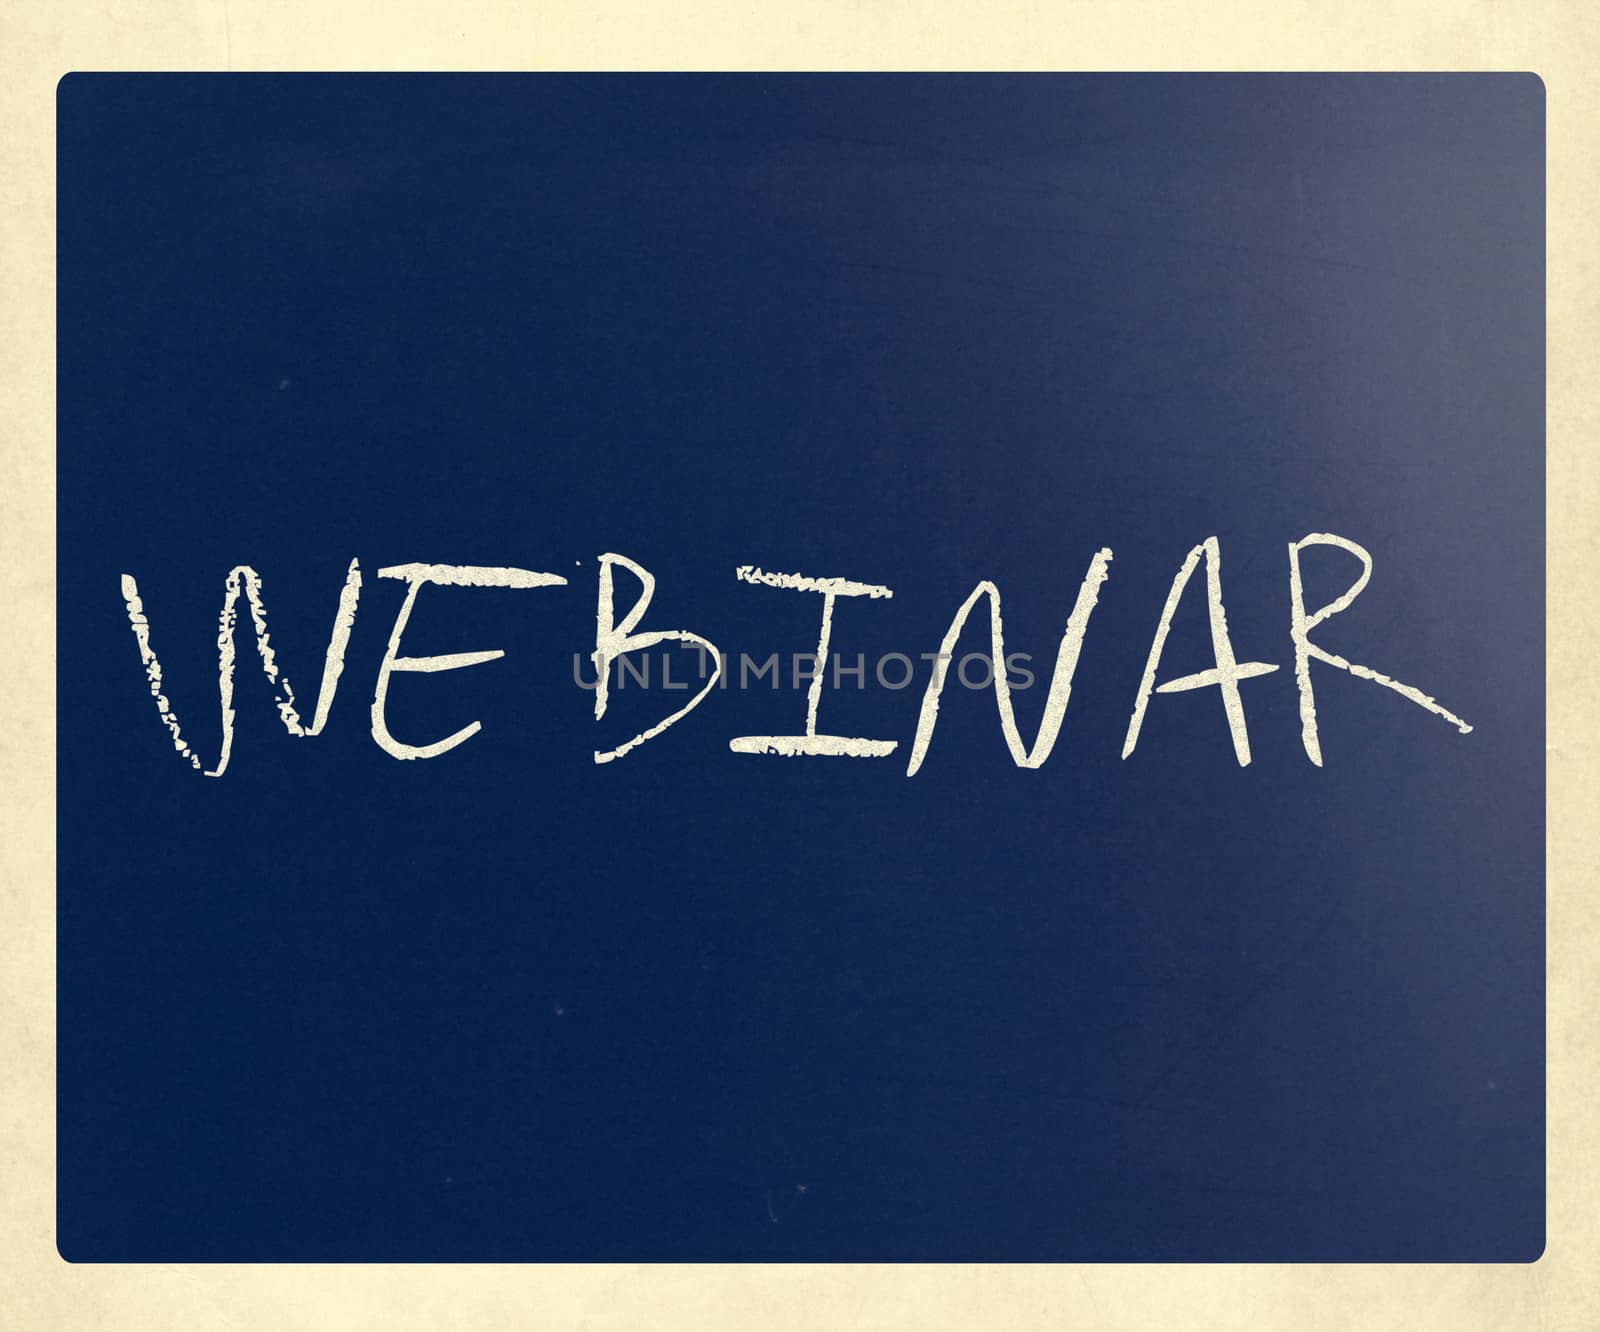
(615, 638)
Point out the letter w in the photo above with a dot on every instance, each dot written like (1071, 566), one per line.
(244, 578)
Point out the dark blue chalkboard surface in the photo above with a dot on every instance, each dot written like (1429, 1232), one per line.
(703, 1001)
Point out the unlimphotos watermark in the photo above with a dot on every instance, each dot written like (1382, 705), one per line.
(889, 670)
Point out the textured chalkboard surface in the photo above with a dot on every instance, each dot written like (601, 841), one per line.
(511, 1003)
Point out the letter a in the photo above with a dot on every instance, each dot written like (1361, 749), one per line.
(1225, 675)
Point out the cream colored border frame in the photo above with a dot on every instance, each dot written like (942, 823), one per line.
(42, 39)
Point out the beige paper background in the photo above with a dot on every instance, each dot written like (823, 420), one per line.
(42, 39)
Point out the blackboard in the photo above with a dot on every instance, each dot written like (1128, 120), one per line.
(1128, 998)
